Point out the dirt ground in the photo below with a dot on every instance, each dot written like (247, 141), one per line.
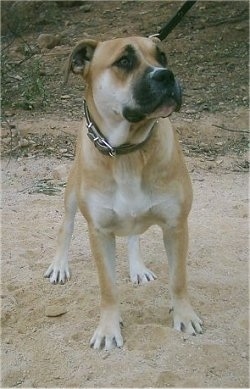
(209, 53)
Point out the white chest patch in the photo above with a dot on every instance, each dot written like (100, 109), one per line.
(130, 209)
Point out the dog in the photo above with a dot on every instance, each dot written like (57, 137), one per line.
(128, 174)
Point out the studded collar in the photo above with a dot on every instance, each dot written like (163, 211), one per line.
(102, 144)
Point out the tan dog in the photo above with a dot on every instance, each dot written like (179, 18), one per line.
(128, 173)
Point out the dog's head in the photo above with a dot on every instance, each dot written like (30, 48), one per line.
(127, 78)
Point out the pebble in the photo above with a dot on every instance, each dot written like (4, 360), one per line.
(62, 151)
(190, 111)
(25, 142)
(240, 28)
(55, 310)
(65, 97)
(85, 8)
(48, 41)
(244, 355)
(7, 140)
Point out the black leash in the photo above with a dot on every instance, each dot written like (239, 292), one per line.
(165, 30)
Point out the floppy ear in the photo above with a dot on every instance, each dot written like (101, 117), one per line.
(154, 38)
(80, 57)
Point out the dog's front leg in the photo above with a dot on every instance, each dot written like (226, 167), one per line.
(176, 244)
(58, 271)
(108, 332)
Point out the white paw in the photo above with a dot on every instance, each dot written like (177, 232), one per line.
(141, 275)
(108, 333)
(57, 274)
(186, 320)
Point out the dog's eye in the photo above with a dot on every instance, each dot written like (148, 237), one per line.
(125, 63)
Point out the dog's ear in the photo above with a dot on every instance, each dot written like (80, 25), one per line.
(80, 57)
(155, 39)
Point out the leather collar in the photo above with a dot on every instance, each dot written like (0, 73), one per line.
(102, 144)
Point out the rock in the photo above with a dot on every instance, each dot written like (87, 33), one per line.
(48, 41)
(65, 97)
(55, 310)
(86, 8)
(24, 142)
(63, 151)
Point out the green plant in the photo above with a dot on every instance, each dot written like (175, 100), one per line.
(23, 84)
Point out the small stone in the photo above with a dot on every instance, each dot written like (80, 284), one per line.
(65, 97)
(62, 151)
(24, 142)
(190, 111)
(240, 28)
(55, 310)
(7, 140)
(244, 355)
(48, 41)
(86, 8)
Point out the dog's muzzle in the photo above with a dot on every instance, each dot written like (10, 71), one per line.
(157, 93)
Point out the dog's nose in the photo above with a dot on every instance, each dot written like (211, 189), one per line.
(164, 76)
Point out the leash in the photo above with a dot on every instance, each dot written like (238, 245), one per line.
(165, 30)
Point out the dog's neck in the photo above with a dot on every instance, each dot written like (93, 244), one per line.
(117, 137)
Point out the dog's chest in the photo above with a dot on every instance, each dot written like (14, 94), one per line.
(130, 201)
(122, 210)
(131, 207)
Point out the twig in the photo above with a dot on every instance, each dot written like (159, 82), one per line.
(57, 53)
(11, 140)
(25, 59)
(8, 45)
(229, 129)
(10, 129)
(240, 18)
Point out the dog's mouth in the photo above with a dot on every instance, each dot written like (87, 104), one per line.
(155, 96)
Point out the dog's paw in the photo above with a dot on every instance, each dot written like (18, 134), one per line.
(141, 275)
(186, 320)
(108, 333)
(57, 274)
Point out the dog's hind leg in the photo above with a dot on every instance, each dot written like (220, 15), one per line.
(139, 273)
(58, 271)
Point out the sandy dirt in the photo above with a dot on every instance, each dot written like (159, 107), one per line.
(40, 350)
